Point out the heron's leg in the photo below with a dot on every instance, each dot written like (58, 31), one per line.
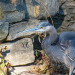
(71, 70)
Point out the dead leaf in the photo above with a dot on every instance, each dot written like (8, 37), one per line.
(36, 10)
(39, 39)
(13, 1)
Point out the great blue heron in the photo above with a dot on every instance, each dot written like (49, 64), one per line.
(64, 49)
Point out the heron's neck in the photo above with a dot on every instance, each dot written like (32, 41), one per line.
(53, 35)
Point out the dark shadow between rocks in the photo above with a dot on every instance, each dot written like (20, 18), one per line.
(36, 43)
(26, 11)
(5, 53)
(22, 6)
(58, 18)
(35, 2)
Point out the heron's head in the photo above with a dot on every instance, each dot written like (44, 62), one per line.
(40, 28)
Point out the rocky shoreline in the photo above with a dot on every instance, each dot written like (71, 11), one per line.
(26, 14)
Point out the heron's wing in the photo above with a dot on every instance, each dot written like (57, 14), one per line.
(67, 36)
(68, 47)
(64, 38)
(71, 50)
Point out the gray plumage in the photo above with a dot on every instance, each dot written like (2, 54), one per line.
(63, 51)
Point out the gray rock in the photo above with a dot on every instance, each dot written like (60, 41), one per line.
(73, 10)
(18, 27)
(53, 7)
(40, 8)
(72, 27)
(20, 52)
(4, 26)
(70, 4)
(65, 19)
(7, 7)
(23, 70)
(25, 9)
(20, 70)
(24, 73)
(9, 12)
(14, 16)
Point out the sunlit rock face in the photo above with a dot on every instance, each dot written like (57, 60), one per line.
(19, 52)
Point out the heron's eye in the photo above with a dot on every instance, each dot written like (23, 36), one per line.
(41, 27)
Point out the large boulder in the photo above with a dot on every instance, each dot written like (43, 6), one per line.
(20, 52)
(4, 26)
(8, 12)
(18, 27)
(40, 8)
(25, 9)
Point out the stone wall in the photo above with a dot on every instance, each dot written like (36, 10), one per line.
(65, 19)
(17, 17)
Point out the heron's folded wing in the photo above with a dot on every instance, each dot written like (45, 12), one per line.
(71, 50)
(64, 38)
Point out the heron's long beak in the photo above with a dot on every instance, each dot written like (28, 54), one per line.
(29, 32)
(40, 28)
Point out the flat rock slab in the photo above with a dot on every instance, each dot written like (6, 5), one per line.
(23, 70)
(20, 52)
(19, 70)
(18, 27)
(4, 26)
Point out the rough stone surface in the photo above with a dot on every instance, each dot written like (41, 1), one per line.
(18, 27)
(23, 70)
(41, 8)
(65, 19)
(20, 70)
(14, 16)
(4, 26)
(72, 28)
(8, 12)
(25, 9)
(71, 3)
(20, 52)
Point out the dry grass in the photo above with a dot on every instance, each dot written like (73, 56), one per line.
(44, 65)
(3, 68)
